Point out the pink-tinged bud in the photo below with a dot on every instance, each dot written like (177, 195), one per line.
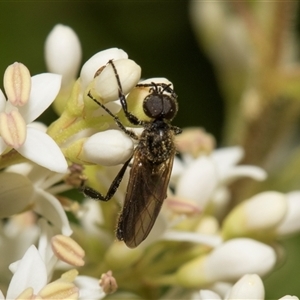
(108, 283)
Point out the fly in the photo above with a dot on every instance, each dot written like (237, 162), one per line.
(151, 165)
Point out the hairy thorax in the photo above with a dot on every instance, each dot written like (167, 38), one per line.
(156, 142)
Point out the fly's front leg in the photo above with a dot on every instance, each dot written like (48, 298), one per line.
(116, 119)
(92, 193)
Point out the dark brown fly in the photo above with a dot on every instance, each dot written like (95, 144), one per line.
(151, 166)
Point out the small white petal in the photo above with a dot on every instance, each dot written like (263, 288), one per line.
(31, 272)
(89, 288)
(106, 85)
(44, 89)
(208, 295)
(63, 52)
(41, 149)
(51, 209)
(108, 148)
(16, 193)
(228, 156)
(243, 171)
(193, 237)
(248, 287)
(97, 61)
(291, 221)
(198, 181)
(237, 257)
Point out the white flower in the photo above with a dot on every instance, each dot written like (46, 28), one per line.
(206, 178)
(27, 99)
(63, 53)
(30, 273)
(30, 280)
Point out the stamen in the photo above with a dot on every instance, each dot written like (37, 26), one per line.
(13, 129)
(17, 84)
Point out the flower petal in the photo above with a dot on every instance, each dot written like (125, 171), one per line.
(50, 208)
(89, 288)
(31, 272)
(44, 89)
(243, 171)
(41, 149)
(198, 181)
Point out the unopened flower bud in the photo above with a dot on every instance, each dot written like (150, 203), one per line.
(97, 61)
(17, 84)
(250, 286)
(107, 148)
(67, 250)
(63, 53)
(256, 217)
(291, 222)
(195, 141)
(108, 283)
(106, 85)
(227, 262)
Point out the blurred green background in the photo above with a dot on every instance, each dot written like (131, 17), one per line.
(158, 36)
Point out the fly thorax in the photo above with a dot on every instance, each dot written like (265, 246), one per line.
(156, 142)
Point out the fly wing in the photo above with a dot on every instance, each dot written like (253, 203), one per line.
(146, 191)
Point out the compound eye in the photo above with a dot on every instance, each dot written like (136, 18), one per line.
(153, 105)
(159, 105)
(170, 107)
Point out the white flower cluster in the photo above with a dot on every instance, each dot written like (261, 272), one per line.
(198, 243)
